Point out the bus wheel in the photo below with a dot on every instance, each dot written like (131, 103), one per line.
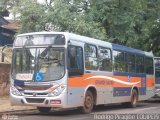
(88, 103)
(44, 109)
(134, 98)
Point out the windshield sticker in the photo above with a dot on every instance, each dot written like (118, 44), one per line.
(26, 77)
(39, 76)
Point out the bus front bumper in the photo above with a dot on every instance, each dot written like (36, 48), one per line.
(56, 102)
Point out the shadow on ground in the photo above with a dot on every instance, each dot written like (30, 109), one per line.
(76, 112)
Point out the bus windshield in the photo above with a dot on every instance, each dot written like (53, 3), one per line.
(38, 64)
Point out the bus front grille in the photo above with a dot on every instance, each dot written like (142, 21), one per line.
(34, 100)
(37, 94)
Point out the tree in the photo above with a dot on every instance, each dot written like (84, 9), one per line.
(3, 8)
(30, 14)
(127, 22)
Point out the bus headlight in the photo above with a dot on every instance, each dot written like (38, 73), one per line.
(57, 91)
(14, 91)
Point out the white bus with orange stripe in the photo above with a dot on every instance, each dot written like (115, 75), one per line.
(65, 70)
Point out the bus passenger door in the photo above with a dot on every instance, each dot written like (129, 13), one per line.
(75, 76)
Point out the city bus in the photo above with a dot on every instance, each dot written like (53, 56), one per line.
(157, 76)
(65, 70)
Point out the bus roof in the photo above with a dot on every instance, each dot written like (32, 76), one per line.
(94, 41)
(89, 40)
(39, 33)
(108, 44)
(131, 50)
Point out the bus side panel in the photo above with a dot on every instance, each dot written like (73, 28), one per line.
(78, 85)
(150, 88)
(75, 96)
(110, 89)
(123, 86)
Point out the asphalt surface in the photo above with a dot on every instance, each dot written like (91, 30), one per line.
(149, 110)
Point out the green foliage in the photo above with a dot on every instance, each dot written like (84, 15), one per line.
(3, 5)
(134, 23)
(31, 15)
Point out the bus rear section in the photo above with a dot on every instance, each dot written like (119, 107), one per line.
(157, 76)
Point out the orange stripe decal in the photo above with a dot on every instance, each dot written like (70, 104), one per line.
(108, 81)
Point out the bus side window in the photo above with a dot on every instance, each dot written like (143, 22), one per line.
(91, 57)
(139, 64)
(105, 62)
(75, 60)
(149, 66)
(119, 65)
(130, 62)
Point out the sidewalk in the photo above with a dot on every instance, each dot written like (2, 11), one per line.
(5, 106)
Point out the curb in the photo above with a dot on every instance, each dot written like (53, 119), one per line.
(18, 111)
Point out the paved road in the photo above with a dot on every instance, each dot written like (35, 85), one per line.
(118, 112)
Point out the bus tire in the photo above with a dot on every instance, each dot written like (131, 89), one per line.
(88, 103)
(44, 109)
(133, 101)
(134, 98)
